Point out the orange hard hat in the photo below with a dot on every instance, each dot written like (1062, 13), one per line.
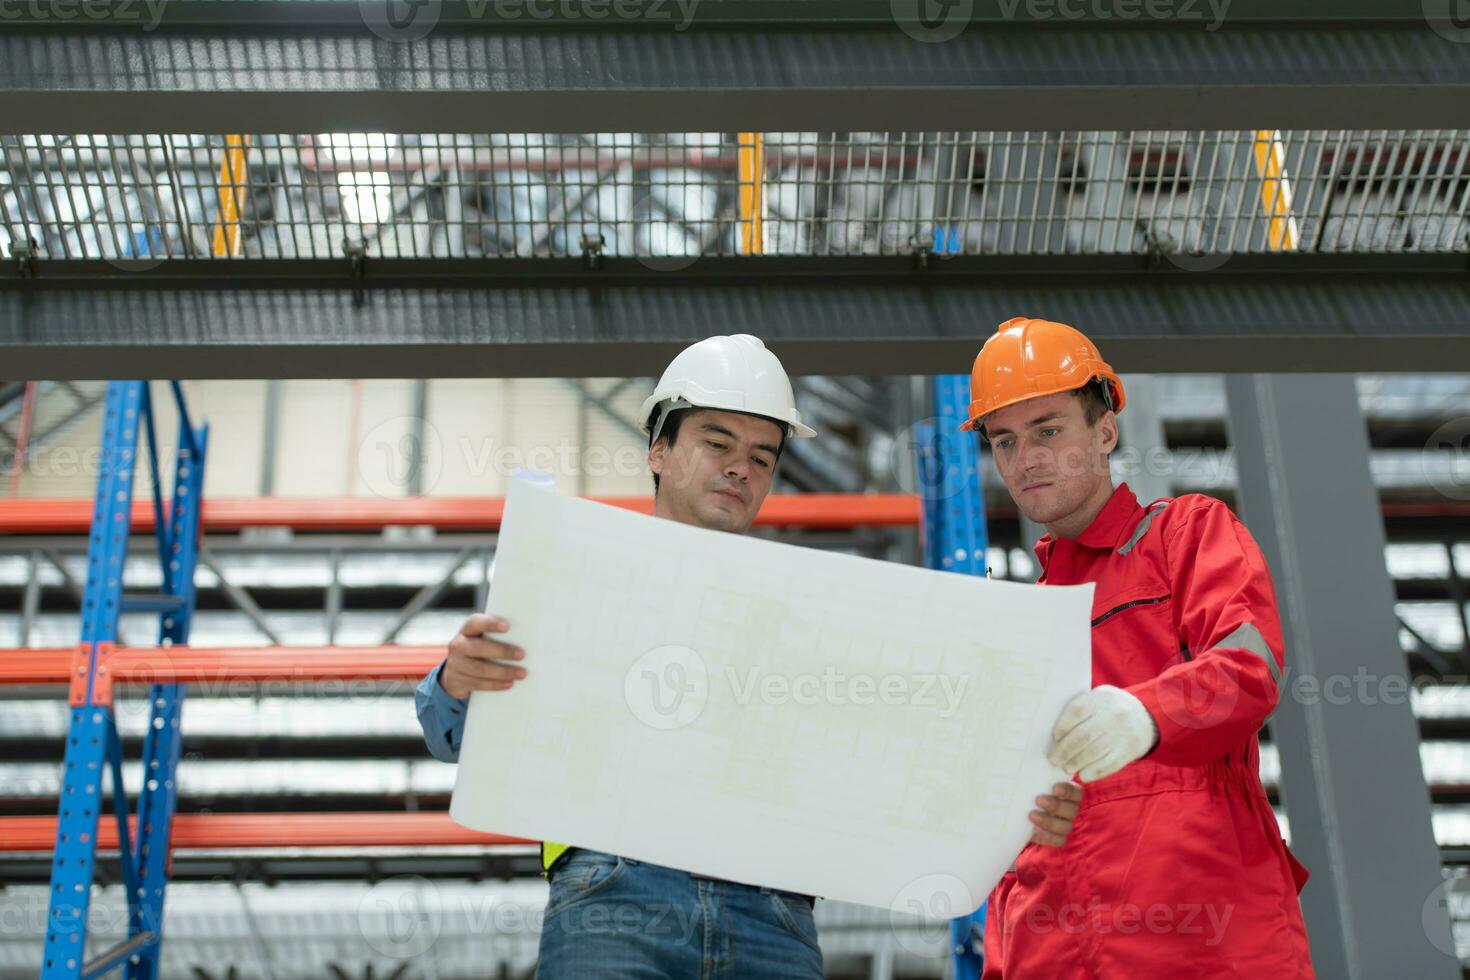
(1029, 358)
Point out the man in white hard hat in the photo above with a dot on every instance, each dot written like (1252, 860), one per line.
(717, 422)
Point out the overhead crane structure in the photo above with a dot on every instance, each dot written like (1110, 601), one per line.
(584, 255)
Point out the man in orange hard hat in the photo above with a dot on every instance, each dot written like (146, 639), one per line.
(1176, 866)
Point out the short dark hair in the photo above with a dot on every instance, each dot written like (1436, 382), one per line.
(1094, 404)
(669, 431)
(676, 419)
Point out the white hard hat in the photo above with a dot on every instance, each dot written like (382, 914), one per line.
(734, 374)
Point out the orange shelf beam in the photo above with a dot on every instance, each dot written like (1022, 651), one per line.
(206, 665)
(821, 511)
(74, 516)
(202, 831)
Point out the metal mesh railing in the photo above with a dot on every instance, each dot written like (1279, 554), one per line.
(672, 196)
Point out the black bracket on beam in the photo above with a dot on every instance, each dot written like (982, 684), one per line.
(1156, 248)
(24, 254)
(592, 246)
(356, 252)
(922, 248)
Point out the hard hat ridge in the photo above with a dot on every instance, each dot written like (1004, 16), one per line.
(734, 373)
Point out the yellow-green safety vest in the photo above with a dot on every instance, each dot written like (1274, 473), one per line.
(550, 851)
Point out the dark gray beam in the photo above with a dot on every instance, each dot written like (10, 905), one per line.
(604, 405)
(1351, 777)
(554, 318)
(491, 863)
(672, 65)
(84, 405)
(241, 599)
(426, 596)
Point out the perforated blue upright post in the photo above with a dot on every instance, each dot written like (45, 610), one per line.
(949, 484)
(949, 481)
(161, 745)
(92, 741)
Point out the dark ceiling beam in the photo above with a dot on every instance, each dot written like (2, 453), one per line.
(676, 65)
(882, 316)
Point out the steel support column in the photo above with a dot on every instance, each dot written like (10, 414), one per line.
(270, 438)
(1351, 778)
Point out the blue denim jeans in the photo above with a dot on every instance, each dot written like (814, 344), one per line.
(613, 918)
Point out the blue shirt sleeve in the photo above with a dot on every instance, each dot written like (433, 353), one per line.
(441, 715)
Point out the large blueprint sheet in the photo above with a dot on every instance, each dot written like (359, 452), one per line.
(771, 714)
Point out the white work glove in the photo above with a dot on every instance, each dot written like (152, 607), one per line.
(1100, 732)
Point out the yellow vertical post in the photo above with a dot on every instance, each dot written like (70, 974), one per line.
(752, 166)
(233, 183)
(1270, 153)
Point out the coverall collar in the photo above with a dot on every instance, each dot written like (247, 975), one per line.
(1112, 525)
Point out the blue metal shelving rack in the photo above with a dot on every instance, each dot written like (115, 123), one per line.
(92, 741)
(955, 541)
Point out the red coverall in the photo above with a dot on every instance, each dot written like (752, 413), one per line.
(1175, 866)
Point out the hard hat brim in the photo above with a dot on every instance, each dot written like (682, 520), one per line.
(794, 428)
(1115, 390)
